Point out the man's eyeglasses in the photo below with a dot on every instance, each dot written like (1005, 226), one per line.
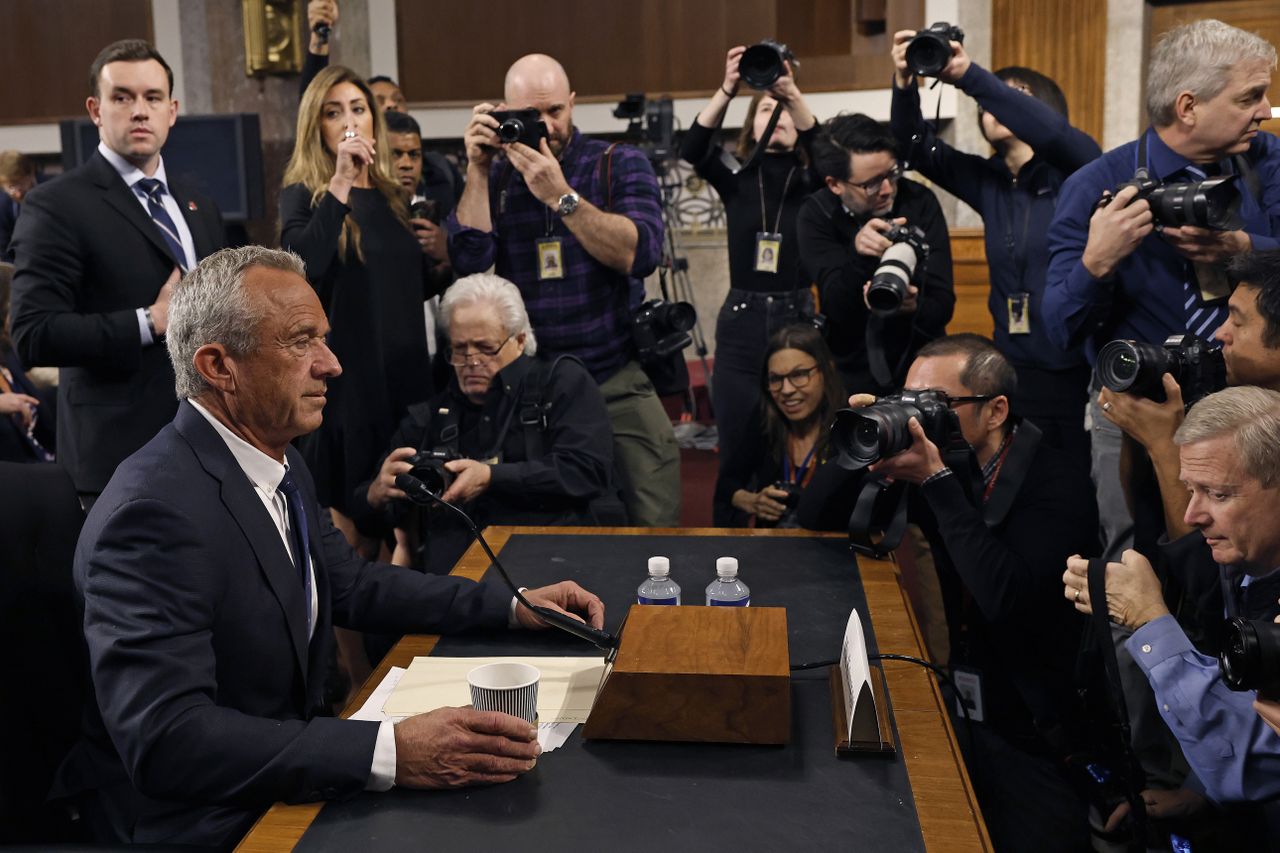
(461, 356)
(973, 398)
(798, 378)
(872, 186)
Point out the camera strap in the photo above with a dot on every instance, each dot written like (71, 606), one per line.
(763, 142)
(879, 517)
(1133, 774)
(531, 408)
(878, 360)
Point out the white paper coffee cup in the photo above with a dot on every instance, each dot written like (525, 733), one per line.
(511, 688)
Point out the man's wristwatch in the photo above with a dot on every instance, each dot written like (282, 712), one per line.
(568, 204)
(151, 323)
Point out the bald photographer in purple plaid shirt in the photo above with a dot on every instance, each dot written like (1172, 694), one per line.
(577, 236)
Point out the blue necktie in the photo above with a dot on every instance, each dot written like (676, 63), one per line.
(154, 192)
(298, 528)
(1202, 318)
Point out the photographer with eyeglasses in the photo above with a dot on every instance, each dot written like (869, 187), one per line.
(800, 391)
(998, 539)
(845, 229)
(514, 439)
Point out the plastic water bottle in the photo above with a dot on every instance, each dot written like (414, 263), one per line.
(659, 588)
(727, 590)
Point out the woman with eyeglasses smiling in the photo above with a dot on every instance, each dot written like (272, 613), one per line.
(801, 391)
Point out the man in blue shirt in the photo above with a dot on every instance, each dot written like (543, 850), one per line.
(1114, 273)
(1023, 116)
(1230, 464)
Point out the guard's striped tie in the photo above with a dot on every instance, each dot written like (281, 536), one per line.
(154, 192)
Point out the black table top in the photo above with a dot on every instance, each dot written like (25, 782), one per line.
(639, 796)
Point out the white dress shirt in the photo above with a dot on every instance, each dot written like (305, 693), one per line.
(265, 474)
(131, 175)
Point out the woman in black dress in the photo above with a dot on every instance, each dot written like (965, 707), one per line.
(344, 213)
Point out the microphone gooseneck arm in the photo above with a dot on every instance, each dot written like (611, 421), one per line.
(420, 494)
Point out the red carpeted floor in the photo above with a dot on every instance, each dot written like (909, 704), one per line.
(697, 467)
(698, 484)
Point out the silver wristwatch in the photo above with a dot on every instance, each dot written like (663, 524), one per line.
(568, 204)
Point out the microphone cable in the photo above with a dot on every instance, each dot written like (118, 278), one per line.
(418, 492)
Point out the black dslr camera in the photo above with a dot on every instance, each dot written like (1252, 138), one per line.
(428, 466)
(762, 64)
(863, 436)
(524, 126)
(793, 490)
(791, 503)
(1250, 657)
(1133, 367)
(426, 209)
(897, 267)
(929, 50)
(1213, 203)
(662, 329)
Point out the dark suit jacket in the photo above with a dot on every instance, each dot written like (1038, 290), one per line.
(87, 257)
(205, 682)
(9, 210)
(14, 444)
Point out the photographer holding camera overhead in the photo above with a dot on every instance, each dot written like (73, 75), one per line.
(1023, 115)
(761, 197)
(516, 439)
(576, 224)
(1229, 448)
(1001, 510)
(876, 245)
(1140, 234)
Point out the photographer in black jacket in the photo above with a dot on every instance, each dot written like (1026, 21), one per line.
(999, 555)
(766, 288)
(530, 437)
(842, 231)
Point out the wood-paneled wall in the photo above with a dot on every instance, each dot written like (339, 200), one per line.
(1066, 41)
(674, 47)
(972, 282)
(48, 47)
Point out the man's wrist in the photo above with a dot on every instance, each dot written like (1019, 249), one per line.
(1095, 269)
(1149, 614)
(944, 471)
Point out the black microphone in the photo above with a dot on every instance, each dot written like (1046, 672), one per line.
(322, 31)
(420, 494)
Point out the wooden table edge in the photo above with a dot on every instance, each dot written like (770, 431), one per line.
(283, 825)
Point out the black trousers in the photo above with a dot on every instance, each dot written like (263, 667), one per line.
(746, 322)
